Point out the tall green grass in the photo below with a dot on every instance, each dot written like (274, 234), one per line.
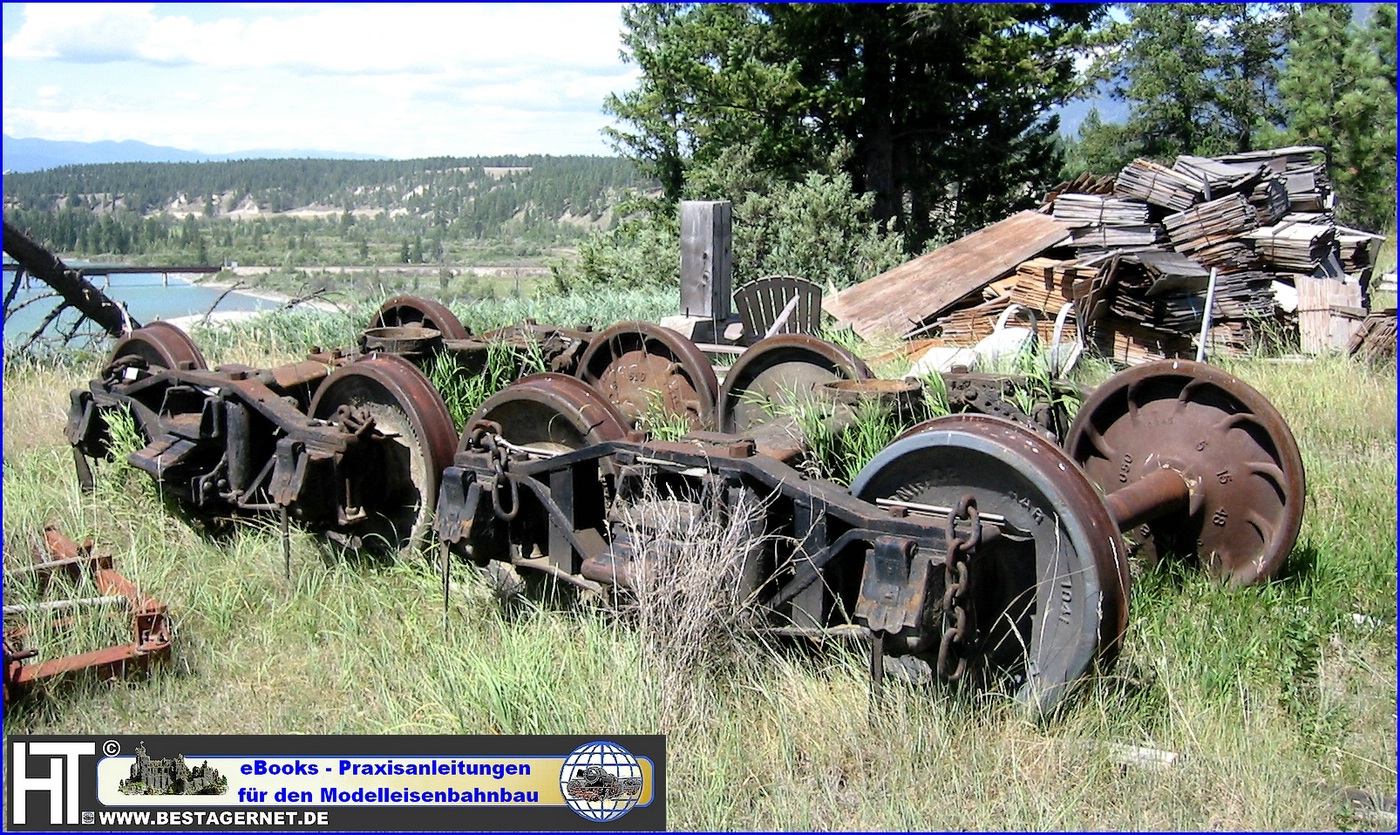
(1271, 696)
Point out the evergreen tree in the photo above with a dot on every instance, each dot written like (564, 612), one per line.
(942, 105)
(1339, 88)
(1199, 78)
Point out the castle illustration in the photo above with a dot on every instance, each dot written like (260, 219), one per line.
(171, 776)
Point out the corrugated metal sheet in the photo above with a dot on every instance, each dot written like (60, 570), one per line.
(904, 298)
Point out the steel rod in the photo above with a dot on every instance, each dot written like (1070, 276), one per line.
(59, 605)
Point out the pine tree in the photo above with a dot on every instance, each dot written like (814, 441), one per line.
(1339, 89)
(1199, 78)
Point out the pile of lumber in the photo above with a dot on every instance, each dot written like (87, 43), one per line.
(1375, 339)
(1262, 223)
(1134, 256)
(1159, 185)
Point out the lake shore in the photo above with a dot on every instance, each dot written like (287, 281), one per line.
(227, 317)
(271, 296)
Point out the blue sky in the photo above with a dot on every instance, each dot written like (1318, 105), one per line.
(395, 80)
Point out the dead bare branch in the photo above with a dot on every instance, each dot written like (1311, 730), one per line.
(14, 290)
(34, 336)
(26, 303)
(210, 312)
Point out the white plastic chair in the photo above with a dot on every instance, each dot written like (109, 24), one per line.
(1063, 355)
(1005, 344)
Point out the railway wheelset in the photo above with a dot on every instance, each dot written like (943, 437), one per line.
(972, 543)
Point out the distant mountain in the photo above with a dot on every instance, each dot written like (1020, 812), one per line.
(20, 155)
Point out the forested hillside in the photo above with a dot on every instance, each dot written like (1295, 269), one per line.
(393, 211)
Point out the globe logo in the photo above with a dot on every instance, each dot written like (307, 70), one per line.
(601, 781)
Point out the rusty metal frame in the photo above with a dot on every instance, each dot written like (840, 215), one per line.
(825, 529)
(152, 632)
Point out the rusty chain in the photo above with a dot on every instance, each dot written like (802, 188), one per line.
(952, 650)
(500, 462)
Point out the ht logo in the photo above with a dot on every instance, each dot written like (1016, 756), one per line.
(61, 783)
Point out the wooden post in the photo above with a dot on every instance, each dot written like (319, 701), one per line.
(707, 269)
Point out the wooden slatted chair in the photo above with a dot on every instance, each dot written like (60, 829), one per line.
(779, 304)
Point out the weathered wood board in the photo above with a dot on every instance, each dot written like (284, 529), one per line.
(1329, 313)
(906, 297)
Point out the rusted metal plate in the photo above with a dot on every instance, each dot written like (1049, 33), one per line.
(643, 369)
(902, 299)
(1050, 593)
(1229, 444)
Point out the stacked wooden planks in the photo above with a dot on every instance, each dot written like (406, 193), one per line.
(1159, 185)
(1357, 249)
(1270, 201)
(1302, 174)
(1375, 339)
(1133, 254)
(967, 325)
(1098, 210)
(1045, 284)
(1220, 220)
(1294, 247)
(1228, 256)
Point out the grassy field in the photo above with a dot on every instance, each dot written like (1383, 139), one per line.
(1275, 698)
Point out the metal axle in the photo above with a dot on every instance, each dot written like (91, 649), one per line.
(1153, 496)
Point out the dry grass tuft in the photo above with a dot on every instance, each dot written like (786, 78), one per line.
(689, 605)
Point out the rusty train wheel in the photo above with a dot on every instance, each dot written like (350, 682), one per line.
(1226, 440)
(550, 411)
(394, 474)
(547, 411)
(1050, 595)
(160, 345)
(640, 368)
(778, 373)
(407, 311)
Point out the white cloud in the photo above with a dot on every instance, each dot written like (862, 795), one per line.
(80, 31)
(331, 38)
(398, 80)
